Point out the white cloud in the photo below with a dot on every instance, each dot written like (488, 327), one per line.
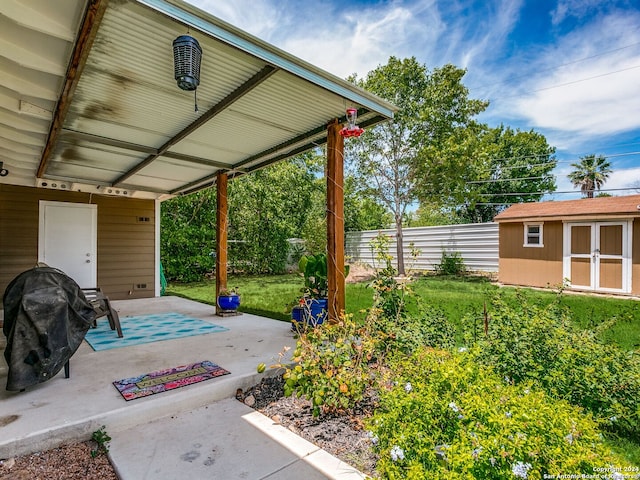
(626, 178)
(355, 43)
(338, 37)
(596, 97)
(259, 18)
(575, 9)
(345, 38)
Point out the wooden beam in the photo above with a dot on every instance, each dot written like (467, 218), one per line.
(88, 30)
(266, 157)
(221, 234)
(335, 221)
(73, 137)
(226, 102)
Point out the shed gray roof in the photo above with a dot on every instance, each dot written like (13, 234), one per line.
(88, 100)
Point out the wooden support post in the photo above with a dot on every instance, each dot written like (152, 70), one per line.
(221, 234)
(335, 221)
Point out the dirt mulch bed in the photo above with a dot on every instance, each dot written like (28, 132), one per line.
(343, 435)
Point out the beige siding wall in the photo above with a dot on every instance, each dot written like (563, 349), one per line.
(530, 266)
(126, 238)
(635, 258)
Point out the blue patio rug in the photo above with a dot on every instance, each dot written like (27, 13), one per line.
(147, 329)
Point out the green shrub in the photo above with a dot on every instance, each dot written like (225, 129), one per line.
(102, 439)
(435, 330)
(336, 363)
(451, 263)
(530, 343)
(407, 333)
(332, 365)
(390, 296)
(447, 417)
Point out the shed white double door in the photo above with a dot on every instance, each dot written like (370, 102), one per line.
(597, 255)
(68, 239)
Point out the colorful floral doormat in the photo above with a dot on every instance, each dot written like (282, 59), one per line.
(172, 378)
(147, 329)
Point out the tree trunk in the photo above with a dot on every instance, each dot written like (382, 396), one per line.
(399, 246)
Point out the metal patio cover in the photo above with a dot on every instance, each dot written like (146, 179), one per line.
(88, 100)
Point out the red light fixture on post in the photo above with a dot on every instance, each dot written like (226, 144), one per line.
(351, 129)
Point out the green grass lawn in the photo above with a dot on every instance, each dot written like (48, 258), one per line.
(273, 295)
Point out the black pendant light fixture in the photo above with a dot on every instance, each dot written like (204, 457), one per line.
(187, 57)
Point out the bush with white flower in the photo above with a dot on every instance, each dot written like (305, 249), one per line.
(460, 420)
(529, 343)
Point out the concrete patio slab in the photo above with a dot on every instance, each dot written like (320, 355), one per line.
(225, 440)
(60, 410)
(197, 431)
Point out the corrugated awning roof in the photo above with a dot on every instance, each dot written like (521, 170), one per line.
(88, 100)
(570, 209)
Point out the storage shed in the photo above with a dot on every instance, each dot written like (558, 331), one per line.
(590, 244)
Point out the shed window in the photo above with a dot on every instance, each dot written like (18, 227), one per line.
(533, 235)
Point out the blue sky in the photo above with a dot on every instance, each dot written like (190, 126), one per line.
(569, 69)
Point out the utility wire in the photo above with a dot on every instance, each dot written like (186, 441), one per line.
(511, 167)
(520, 94)
(524, 157)
(495, 180)
(518, 194)
(586, 79)
(557, 67)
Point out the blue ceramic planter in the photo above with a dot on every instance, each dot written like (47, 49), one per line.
(297, 318)
(229, 302)
(316, 312)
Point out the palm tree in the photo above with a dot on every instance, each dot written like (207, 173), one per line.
(590, 174)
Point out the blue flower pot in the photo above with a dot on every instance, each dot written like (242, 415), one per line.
(316, 311)
(297, 318)
(229, 302)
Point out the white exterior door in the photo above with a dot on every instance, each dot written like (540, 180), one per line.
(597, 256)
(68, 239)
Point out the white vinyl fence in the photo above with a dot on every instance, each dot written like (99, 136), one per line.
(477, 244)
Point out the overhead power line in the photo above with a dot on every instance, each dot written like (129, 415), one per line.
(520, 94)
(496, 180)
(534, 165)
(524, 157)
(585, 79)
(519, 194)
(557, 67)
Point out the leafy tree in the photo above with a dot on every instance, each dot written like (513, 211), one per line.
(512, 166)
(361, 212)
(448, 154)
(431, 105)
(590, 174)
(188, 236)
(431, 214)
(266, 208)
